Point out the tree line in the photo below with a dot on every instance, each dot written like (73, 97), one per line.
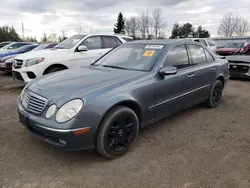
(151, 25)
(145, 26)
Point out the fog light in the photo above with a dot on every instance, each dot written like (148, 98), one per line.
(61, 141)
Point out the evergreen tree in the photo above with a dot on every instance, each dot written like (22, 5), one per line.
(120, 25)
(202, 33)
(175, 31)
(8, 34)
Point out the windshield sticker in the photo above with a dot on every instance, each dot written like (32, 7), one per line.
(149, 53)
(154, 46)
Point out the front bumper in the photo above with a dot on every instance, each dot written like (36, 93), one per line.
(239, 70)
(6, 67)
(62, 138)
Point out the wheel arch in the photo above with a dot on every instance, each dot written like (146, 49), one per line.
(222, 79)
(129, 103)
(54, 65)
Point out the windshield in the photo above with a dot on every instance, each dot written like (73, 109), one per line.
(234, 45)
(140, 57)
(70, 42)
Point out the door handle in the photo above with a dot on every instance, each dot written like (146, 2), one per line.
(191, 75)
(213, 68)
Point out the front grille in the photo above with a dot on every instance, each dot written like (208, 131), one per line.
(17, 75)
(33, 102)
(17, 63)
(236, 69)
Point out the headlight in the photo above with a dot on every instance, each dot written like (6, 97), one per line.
(69, 110)
(50, 111)
(34, 61)
(10, 60)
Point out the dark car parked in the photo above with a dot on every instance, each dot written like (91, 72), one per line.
(239, 66)
(134, 85)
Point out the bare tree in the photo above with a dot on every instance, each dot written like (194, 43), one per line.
(158, 23)
(242, 26)
(79, 28)
(233, 25)
(128, 27)
(145, 24)
(52, 37)
(135, 24)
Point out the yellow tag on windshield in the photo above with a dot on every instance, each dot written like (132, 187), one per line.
(149, 53)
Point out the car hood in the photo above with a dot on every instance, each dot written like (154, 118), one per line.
(47, 53)
(239, 59)
(77, 83)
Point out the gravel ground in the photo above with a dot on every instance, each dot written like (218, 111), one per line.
(198, 148)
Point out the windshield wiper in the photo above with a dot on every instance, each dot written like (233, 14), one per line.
(115, 67)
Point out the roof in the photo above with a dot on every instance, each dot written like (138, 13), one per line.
(161, 41)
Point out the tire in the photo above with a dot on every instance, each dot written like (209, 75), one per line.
(118, 132)
(215, 95)
(54, 69)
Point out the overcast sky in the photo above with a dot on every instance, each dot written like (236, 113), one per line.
(51, 16)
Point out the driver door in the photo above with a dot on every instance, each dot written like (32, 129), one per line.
(172, 91)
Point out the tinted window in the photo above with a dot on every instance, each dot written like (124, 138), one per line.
(110, 42)
(92, 43)
(178, 57)
(209, 56)
(197, 54)
(17, 45)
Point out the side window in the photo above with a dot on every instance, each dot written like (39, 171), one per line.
(177, 57)
(197, 54)
(209, 56)
(110, 42)
(92, 43)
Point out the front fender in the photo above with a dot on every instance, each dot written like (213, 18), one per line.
(98, 106)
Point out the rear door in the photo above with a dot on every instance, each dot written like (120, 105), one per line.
(204, 69)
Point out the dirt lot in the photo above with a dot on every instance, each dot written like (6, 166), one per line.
(200, 148)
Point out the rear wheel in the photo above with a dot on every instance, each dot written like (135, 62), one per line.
(215, 95)
(118, 132)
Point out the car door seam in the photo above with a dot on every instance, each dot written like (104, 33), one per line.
(179, 96)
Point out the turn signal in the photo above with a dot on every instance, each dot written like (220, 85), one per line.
(87, 129)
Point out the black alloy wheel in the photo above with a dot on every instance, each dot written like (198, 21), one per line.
(215, 95)
(118, 132)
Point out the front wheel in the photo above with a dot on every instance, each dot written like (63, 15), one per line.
(118, 132)
(215, 95)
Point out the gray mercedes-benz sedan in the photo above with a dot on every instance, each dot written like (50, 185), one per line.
(136, 84)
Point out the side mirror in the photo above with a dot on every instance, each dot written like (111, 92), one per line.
(168, 70)
(82, 48)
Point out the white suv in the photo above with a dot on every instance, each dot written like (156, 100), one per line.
(74, 52)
